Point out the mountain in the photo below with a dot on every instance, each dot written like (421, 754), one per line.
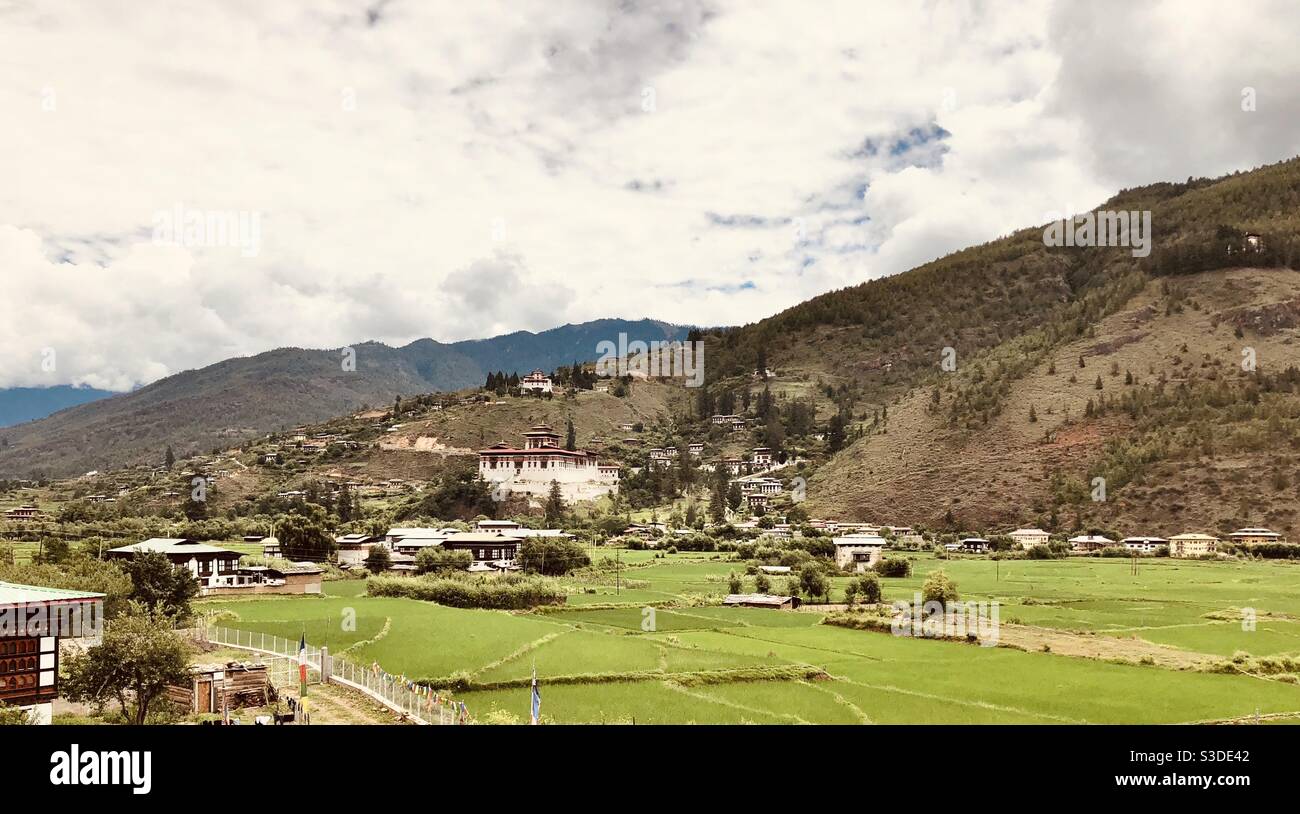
(1069, 365)
(224, 403)
(523, 351)
(19, 404)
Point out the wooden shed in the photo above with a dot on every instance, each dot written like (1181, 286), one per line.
(214, 687)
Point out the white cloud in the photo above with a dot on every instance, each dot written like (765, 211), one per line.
(490, 167)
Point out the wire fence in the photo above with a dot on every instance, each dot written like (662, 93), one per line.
(415, 702)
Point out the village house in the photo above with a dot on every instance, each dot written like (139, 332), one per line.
(543, 460)
(491, 551)
(287, 578)
(1028, 538)
(33, 620)
(502, 526)
(734, 466)
(1144, 545)
(757, 500)
(1255, 536)
(23, 513)
(1090, 542)
(905, 535)
(761, 457)
(762, 601)
(412, 540)
(661, 458)
(271, 547)
(352, 549)
(858, 552)
(535, 382)
(970, 545)
(695, 450)
(1192, 544)
(211, 566)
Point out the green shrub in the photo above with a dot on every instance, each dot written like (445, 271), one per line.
(499, 592)
(894, 567)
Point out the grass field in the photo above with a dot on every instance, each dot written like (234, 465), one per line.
(711, 664)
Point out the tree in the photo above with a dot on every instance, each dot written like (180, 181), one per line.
(345, 506)
(303, 533)
(851, 592)
(555, 506)
(378, 559)
(169, 458)
(869, 587)
(939, 587)
(733, 583)
(140, 657)
(571, 439)
(554, 556)
(435, 559)
(762, 584)
(157, 584)
(813, 581)
(52, 550)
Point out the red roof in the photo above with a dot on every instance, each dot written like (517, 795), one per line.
(535, 451)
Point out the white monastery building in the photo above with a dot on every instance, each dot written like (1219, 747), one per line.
(542, 459)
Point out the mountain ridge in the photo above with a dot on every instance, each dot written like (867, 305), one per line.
(241, 397)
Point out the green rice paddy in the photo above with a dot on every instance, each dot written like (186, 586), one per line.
(704, 663)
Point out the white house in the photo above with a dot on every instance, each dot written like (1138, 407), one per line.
(1028, 538)
(761, 457)
(535, 382)
(1192, 545)
(1090, 542)
(858, 551)
(1143, 545)
(1255, 536)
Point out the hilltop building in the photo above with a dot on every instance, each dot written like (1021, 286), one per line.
(530, 470)
(23, 513)
(535, 382)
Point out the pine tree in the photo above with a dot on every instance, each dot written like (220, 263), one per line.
(555, 506)
(571, 440)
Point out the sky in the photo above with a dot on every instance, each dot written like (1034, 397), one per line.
(392, 170)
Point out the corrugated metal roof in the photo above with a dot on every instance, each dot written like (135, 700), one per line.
(12, 593)
(173, 545)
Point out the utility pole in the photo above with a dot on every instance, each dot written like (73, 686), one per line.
(618, 585)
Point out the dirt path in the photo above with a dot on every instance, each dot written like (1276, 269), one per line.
(332, 704)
